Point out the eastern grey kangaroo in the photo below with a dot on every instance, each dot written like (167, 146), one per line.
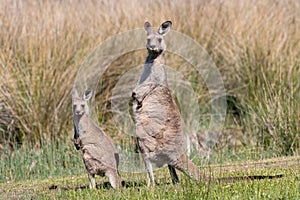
(159, 131)
(98, 152)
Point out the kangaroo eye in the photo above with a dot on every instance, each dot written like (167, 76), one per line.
(148, 40)
(82, 106)
(159, 40)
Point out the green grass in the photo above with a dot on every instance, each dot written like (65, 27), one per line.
(76, 187)
(53, 159)
(58, 173)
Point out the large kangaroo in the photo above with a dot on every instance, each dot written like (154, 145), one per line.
(98, 152)
(158, 123)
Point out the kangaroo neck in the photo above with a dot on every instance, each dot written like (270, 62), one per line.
(76, 119)
(154, 70)
(156, 58)
(79, 120)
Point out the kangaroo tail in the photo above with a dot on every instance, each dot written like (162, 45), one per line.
(186, 166)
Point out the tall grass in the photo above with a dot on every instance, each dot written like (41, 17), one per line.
(255, 44)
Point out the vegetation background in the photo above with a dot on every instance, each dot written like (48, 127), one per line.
(255, 44)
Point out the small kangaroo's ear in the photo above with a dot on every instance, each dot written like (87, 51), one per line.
(74, 93)
(87, 95)
(165, 28)
(147, 27)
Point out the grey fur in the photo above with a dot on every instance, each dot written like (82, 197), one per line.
(158, 123)
(99, 154)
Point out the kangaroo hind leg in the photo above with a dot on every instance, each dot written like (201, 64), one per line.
(149, 171)
(173, 174)
(92, 180)
(114, 179)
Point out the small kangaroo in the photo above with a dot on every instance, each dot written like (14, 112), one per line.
(98, 152)
(159, 131)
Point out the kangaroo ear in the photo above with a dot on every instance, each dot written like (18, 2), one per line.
(74, 93)
(165, 28)
(147, 27)
(87, 95)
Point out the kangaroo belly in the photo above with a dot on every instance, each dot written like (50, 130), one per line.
(95, 166)
(159, 128)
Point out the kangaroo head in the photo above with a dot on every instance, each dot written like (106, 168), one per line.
(155, 41)
(80, 106)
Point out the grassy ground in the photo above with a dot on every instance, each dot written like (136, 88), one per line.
(76, 187)
(56, 171)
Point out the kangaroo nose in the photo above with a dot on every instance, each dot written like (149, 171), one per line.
(151, 47)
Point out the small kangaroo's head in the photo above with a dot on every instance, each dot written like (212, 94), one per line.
(80, 106)
(155, 41)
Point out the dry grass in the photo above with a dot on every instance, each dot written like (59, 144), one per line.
(255, 44)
